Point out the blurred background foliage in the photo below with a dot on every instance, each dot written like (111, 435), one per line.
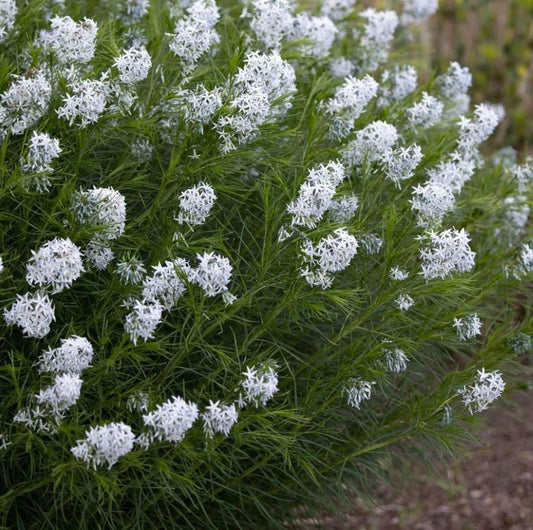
(494, 38)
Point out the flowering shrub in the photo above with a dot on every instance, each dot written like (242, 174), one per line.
(244, 256)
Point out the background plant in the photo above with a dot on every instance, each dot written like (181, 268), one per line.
(247, 259)
(494, 39)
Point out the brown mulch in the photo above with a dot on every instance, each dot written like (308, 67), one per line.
(491, 490)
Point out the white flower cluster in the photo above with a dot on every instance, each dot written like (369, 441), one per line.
(486, 388)
(341, 67)
(131, 270)
(194, 34)
(404, 302)
(331, 254)
(348, 103)
(197, 105)
(250, 110)
(454, 172)
(97, 254)
(219, 418)
(448, 252)
(71, 42)
(521, 343)
(523, 174)
(395, 360)
(8, 12)
(213, 273)
(371, 144)
(517, 212)
(467, 327)
(431, 202)
(195, 204)
(42, 150)
(357, 391)
(376, 38)
(38, 419)
(86, 103)
(396, 84)
(104, 444)
(337, 9)
(342, 209)
(142, 149)
(262, 90)
(134, 10)
(133, 65)
(271, 21)
(171, 420)
(426, 113)
(453, 86)
(398, 274)
(505, 157)
(51, 403)
(138, 401)
(371, 243)
(62, 395)
(455, 82)
(166, 285)
(400, 164)
(316, 194)
(103, 209)
(24, 103)
(415, 11)
(33, 313)
(143, 319)
(318, 34)
(56, 265)
(73, 356)
(259, 386)
(120, 96)
(435, 198)
(526, 258)
(474, 131)
(271, 75)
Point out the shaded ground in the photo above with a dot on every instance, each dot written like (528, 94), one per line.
(492, 490)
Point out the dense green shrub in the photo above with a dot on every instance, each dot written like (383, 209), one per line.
(247, 260)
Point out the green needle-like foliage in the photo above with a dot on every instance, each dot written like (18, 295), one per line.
(273, 279)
